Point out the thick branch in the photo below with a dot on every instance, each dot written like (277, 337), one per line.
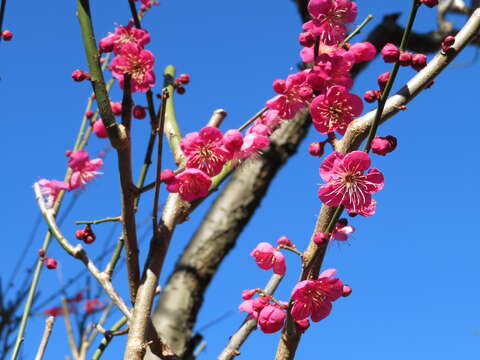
(183, 295)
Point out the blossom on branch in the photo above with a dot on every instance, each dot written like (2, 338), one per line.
(84, 169)
(267, 257)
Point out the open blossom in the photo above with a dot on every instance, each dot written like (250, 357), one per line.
(331, 69)
(293, 97)
(347, 184)
(84, 169)
(329, 18)
(204, 150)
(342, 230)
(335, 110)
(124, 35)
(267, 257)
(134, 60)
(191, 184)
(271, 319)
(313, 298)
(50, 190)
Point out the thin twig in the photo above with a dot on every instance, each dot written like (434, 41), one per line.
(106, 340)
(253, 118)
(99, 221)
(49, 322)
(69, 330)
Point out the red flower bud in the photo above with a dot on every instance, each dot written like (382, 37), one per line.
(320, 238)
(405, 58)
(346, 291)
(384, 145)
(139, 112)
(383, 79)
(41, 252)
(51, 263)
(371, 96)
(116, 107)
(448, 42)
(429, 3)
(180, 90)
(7, 35)
(80, 75)
(183, 79)
(89, 114)
(419, 61)
(306, 39)
(390, 53)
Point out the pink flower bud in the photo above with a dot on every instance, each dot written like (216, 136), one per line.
(89, 114)
(279, 86)
(41, 252)
(248, 294)
(346, 291)
(7, 35)
(90, 238)
(99, 129)
(285, 241)
(390, 53)
(259, 303)
(80, 234)
(51, 263)
(180, 90)
(429, 3)
(383, 79)
(316, 148)
(183, 79)
(116, 107)
(79, 75)
(167, 176)
(371, 96)
(306, 39)
(303, 325)
(405, 58)
(271, 319)
(106, 44)
(320, 238)
(448, 42)
(419, 61)
(363, 51)
(383, 145)
(233, 140)
(139, 112)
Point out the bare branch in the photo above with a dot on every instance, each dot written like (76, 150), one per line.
(49, 322)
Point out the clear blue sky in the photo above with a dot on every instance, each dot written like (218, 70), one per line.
(413, 266)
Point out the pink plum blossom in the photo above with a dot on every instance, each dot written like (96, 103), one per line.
(384, 145)
(204, 150)
(84, 169)
(99, 129)
(335, 110)
(347, 184)
(271, 319)
(124, 35)
(329, 18)
(313, 298)
(50, 190)
(295, 96)
(134, 60)
(331, 69)
(267, 257)
(190, 184)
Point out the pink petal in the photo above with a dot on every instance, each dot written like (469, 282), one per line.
(300, 311)
(328, 164)
(279, 266)
(375, 177)
(321, 311)
(357, 160)
(317, 7)
(330, 196)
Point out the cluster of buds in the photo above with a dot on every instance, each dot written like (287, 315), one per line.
(269, 313)
(86, 234)
(182, 79)
(50, 263)
(7, 35)
(391, 54)
(80, 75)
(339, 233)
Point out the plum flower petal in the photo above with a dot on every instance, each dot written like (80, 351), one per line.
(190, 184)
(267, 257)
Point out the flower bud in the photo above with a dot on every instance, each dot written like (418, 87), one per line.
(248, 294)
(429, 3)
(346, 291)
(390, 53)
(41, 252)
(7, 35)
(139, 112)
(89, 114)
(80, 75)
(306, 39)
(90, 238)
(180, 90)
(279, 86)
(271, 319)
(371, 96)
(167, 176)
(80, 234)
(183, 79)
(316, 148)
(285, 241)
(447, 43)
(419, 61)
(320, 237)
(116, 107)
(384, 145)
(99, 129)
(383, 79)
(405, 58)
(51, 263)
(342, 222)
(106, 44)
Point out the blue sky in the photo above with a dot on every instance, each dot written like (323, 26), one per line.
(413, 266)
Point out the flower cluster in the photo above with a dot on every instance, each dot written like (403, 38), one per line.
(83, 171)
(127, 42)
(206, 152)
(269, 314)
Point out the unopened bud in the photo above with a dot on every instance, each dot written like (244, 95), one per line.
(346, 291)
(320, 238)
(51, 263)
(41, 252)
(316, 148)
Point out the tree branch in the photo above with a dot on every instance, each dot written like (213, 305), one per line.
(49, 321)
